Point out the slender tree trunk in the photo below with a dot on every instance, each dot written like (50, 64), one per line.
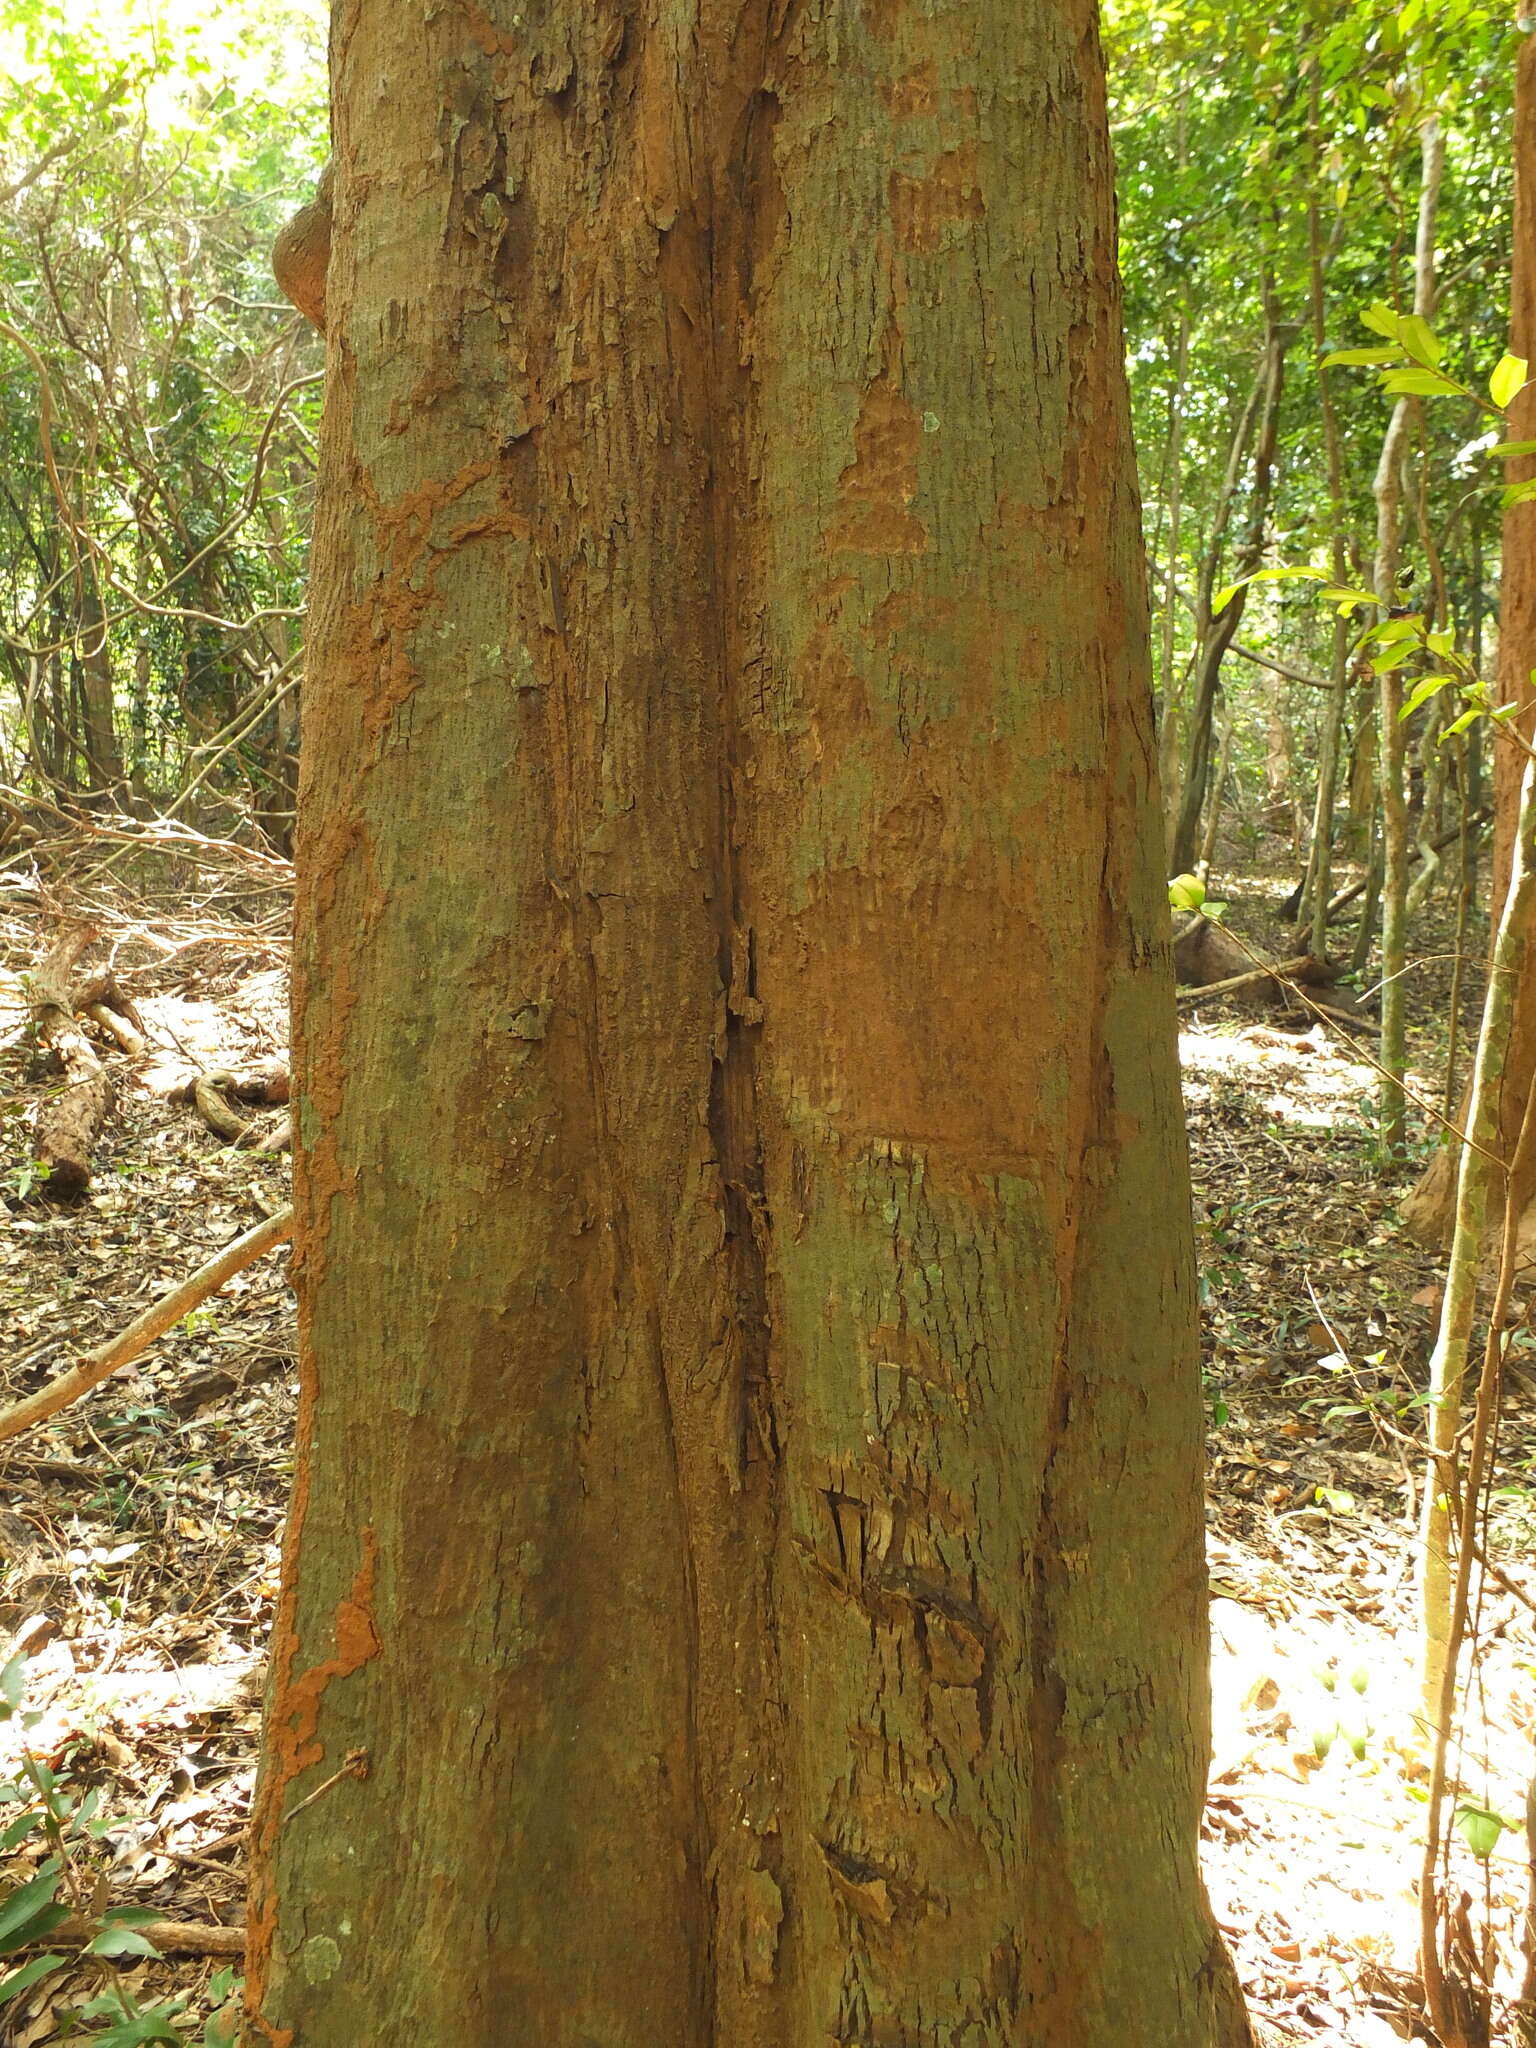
(744, 1582)
(99, 741)
(1218, 795)
(1317, 883)
(1491, 1085)
(1428, 1211)
(1218, 633)
(1394, 737)
(1168, 669)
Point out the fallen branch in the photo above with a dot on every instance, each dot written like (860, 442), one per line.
(211, 1093)
(101, 1363)
(170, 1937)
(100, 999)
(70, 1121)
(1234, 982)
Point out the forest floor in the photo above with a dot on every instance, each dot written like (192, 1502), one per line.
(139, 1530)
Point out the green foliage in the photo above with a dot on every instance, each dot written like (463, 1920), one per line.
(1251, 142)
(42, 1810)
(156, 437)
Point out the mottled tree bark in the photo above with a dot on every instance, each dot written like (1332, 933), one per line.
(744, 1585)
(1429, 1210)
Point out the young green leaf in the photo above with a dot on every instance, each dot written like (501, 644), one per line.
(1398, 629)
(1381, 319)
(1359, 357)
(1421, 341)
(1224, 597)
(1186, 892)
(1507, 380)
(1513, 448)
(1460, 724)
(1480, 1829)
(1394, 656)
(1425, 688)
(1419, 384)
(1518, 494)
(1347, 599)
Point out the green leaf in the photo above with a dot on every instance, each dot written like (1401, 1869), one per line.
(1460, 724)
(1480, 1829)
(18, 1831)
(13, 1680)
(1441, 642)
(1346, 598)
(120, 1941)
(1425, 688)
(1507, 380)
(28, 1902)
(1518, 494)
(1394, 656)
(1335, 1499)
(29, 1974)
(1214, 911)
(1421, 341)
(1224, 597)
(1359, 357)
(1513, 448)
(38, 1928)
(1381, 319)
(1419, 384)
(1186, 892)
(140, 2028)
(1398, 629)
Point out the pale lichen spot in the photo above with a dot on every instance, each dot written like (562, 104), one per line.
(319, 1959)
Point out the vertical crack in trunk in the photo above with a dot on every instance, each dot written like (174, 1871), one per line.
(749, 1408)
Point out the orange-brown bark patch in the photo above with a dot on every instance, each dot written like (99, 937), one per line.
(291, 1742)
(408, 587)
(485, 32)
(923, 208)
(833, 688)
(878, 486)
(910, 1007)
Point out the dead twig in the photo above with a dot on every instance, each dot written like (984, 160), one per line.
(159, 1317)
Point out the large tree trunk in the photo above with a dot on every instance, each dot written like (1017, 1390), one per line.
(1429, 1210)
(744, 1582)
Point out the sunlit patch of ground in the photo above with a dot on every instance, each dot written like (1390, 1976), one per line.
(1318, 1320)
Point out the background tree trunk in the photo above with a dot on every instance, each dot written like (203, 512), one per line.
(745, 1559)
(1218, 633)
(1428, 1212)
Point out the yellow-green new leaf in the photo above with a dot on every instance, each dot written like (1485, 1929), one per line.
(1425, 688)
(1355, 357)
(1421, 340)
(1381, 319)
(1420, 384)
(1508, 378)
